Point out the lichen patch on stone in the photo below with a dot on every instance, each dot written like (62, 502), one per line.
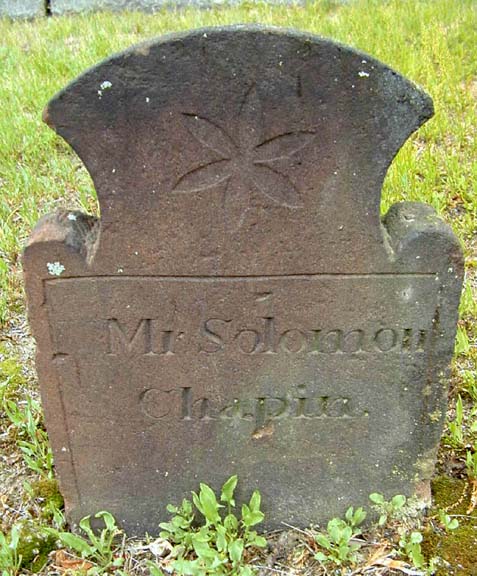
(55, 268)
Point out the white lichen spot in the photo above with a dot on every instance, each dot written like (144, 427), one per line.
(55, 268)
(106, 85)
(363, 74)
(72, 216)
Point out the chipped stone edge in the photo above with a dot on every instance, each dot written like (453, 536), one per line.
(412, 229)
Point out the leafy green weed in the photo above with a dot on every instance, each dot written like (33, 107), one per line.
(218, 545)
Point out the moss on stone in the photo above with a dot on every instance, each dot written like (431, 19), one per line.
(47, 489)
(457, 549)
(448, 492)
(34, 545)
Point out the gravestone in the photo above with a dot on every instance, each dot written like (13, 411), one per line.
(240, 306)
(22, 8)
(60, 7)
(72, 6)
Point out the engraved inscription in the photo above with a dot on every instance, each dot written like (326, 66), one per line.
(245, 158)
(183, 404)
(146, 339)
(266, 335)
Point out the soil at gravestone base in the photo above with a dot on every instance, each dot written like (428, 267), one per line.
(459, 547)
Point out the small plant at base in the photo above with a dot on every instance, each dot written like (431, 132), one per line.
(471, 464)
(55, 515)
(10, 560)
(449, 523)
(411, 547)
(337, 539)
(387, 509)
(11, 375)
(456, 429)
(469, 378)
(462, 344)
(34, 440)
(99, 549)
(219, 544)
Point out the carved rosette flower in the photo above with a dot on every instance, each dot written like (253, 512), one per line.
(245, 161)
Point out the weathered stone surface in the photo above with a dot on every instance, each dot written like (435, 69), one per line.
(241, 307)
(22, 8)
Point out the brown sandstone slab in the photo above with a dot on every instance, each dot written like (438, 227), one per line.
(240, 307)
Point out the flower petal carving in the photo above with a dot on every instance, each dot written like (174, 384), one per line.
(275, 185)
(210, 135)
(250, 127)
(283, 146)
(246, 161)
(203, 177)
(236, 203)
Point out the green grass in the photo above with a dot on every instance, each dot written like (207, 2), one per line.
(432, 42)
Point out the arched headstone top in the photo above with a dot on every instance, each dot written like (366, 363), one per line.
(260, 138)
